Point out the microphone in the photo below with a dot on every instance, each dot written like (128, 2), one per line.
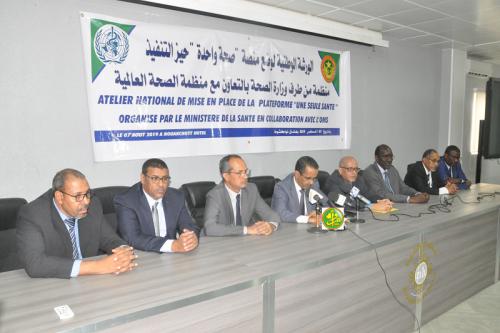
(355, 194)
(337, 199)
(314, 196)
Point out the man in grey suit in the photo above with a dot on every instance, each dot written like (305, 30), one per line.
(384, 181)
(232, 205)
(63, 226)
(291, 195)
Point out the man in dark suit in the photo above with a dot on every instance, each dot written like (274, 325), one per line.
(234, 206)
(150, 214)
(450, 169)
(63, 226)
(423, 176)
(384, 181)
(342, 182)
(291, 195)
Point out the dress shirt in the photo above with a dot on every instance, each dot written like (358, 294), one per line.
(442, 190)
(301, 218)
(383, 171)
(75, 270)
(232, 196)
(162, 225)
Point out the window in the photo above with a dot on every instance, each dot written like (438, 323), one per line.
(478, 107)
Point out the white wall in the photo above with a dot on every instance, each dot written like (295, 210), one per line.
(44, 120)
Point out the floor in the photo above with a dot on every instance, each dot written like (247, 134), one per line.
(478, 314)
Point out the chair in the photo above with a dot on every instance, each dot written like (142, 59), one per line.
(9, 207)
(265, 185)
(195, 193)
(106, 195)
(322, 177)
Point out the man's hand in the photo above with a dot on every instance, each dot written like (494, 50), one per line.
(419, 198)
(260, 228)
(383, 205)
(452, 188)
(311, 218)
(186, 242)
(122, 260)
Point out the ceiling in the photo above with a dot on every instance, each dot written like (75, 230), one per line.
(471, 25)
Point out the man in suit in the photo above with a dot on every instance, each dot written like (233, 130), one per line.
(63, 226)
(234, 204)
(423, 177)
(150, 214)
(384, 181)
(291, 195)
(450, 170)
(346, 178)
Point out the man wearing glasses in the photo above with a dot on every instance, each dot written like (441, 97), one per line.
(423, 175)
(150, 214)
(384, 181)
(234, 206)
(342, 182)
(63, 226)
(291, 195)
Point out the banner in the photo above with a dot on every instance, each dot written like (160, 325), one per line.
(157, 90)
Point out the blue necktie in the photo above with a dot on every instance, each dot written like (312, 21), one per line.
(70, 222)
(238, 214)
(387, 182)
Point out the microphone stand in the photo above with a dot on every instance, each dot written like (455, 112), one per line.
(317, 229)
(357, 219)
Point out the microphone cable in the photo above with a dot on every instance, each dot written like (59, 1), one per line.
(385, 277)
(442, 207)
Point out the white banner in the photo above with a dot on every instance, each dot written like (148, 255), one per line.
(160, 90)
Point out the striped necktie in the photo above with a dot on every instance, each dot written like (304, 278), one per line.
(387, 182)
(70, 222)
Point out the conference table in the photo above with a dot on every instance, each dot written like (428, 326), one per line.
(290, 281)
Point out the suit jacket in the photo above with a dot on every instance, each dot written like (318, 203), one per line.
(444, 173)
(416, 177)
(219, 215)
(44, 244)
(375, 181)
(135, 220)
(286, 202)
(338, 185)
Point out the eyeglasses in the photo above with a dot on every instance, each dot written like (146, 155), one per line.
(157, 180)
(242, 173)
(79, 197)
(308, 178)
(351, 169)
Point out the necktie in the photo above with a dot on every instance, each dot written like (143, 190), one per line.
(301, 202)
(156, 218)
(387, 182)
(429, 179)
(238, 213)
(451, 172)
(70, 222)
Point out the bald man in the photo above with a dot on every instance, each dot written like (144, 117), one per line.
(346, 178)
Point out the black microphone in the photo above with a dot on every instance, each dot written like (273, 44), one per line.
(336, 199)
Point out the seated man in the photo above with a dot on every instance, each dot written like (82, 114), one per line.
(63, 226)
(233, 204)
(384, 182)
(423, 177)
(291, 195)
(150, 214)
(450, 170)
(344, 179)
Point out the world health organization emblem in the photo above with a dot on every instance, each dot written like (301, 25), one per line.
(111, 44)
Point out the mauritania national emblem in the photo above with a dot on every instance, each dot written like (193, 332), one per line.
(332, 218)
(111, 44)
(330, 69)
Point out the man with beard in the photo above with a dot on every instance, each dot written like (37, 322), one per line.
(65, 225)
(150, 214)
